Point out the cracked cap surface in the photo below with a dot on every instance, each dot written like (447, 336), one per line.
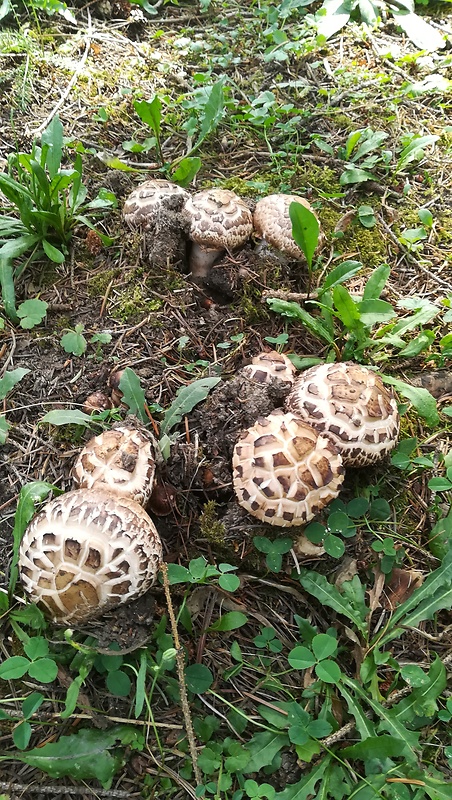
(272, 222)
(352, 405)
(284, 471)
(144, 203)
(266, 366)
(219, 219)
(87, 552)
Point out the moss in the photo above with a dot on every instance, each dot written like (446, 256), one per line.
(211, 527)
(132, 304)
(97, 285)
(321, 179)
(240, 186)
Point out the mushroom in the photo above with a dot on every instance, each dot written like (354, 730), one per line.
(121, 461)
(96, 402)
(272, 222)
(219, 220)
(352, 406)
(266, 366)
(284, 471)
(87, 552)
(145, 203)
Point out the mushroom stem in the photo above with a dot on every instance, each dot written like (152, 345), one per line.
(202, 259)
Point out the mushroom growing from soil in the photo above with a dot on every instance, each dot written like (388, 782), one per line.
(121, 461)
(266, 366)
(145, 203)
(87, 552)
(273, 224)
(285, 472)
(352, 406)
(219, 220)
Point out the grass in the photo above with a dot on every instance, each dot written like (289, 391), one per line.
(309, 677)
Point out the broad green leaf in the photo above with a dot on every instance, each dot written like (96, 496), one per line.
(9, 380)
(301, 658)
(186, 171)
(419, 31)
(22, 735)
(36, 647)
(32, 312)
(323, 645)
(440, 542)
(16, 247)
(263, 748)
(414, 150)
(346, 307)
(375, 747)
(294, 311)
(327, 594)
(375, 312)
(52, 252)
(340, 274)
(336, 17)
(306, 787)
(229, 622)
(118, 683)
(305, 229)
(437, 788)
(67, 416)
(198, 678)
(90, 753)
(186, 399)
(422, 700)
(14, 667)
(179, 574)
(74, 342)
(422, 342)
(43, 670)
(421, 399)
(133, 394)
(328, 672)
(213, 110)
(31, 704)
(355, 175)
(114, 162)
(150, 112)
(4, 428)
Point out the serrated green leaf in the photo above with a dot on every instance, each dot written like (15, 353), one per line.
(306, 788)
(294, 311)
(9, 380)
(150, 112)
(186, 171)
(186, 399)
(213, 110)
(263, 748)
(133, 394)
(87, 754)
(67, 416)
(364, 726)
(421, 399)
(421, 701)
(327, 594)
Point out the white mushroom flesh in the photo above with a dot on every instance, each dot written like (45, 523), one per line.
(267, 366)
(352, 405)
(120, 460)
(87, 552)
(272, 222)
(145, 203)
(219, 220)
(284, 471)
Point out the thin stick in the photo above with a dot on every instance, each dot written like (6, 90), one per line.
(27, 790)
(180, 674)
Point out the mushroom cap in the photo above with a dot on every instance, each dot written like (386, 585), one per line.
(87, 552)
(285, 472)
(219, 219)
(145, 203)
(266, 366)
(272, 222)
(352, 405)
(120, 461)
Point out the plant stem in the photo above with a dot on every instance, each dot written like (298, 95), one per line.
(180, 674)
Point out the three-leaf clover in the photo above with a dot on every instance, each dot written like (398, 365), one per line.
(318, 656)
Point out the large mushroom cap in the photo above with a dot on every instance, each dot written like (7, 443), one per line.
(120, 460)
(145, 203)
(272, 222)
(87, 552)
(352, 405)
(219, 220)
(285, 472)
(266, 366)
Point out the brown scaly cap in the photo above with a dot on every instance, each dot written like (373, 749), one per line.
(285, 472)
(272, 222)
(219, 220)
(87, 552)
(121, 461)
(352, 405)
(144, 203)
(266, 366)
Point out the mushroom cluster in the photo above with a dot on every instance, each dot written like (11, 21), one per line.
(95, 548)
(290, 464)
(217, 220)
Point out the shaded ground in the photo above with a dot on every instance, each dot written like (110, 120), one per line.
(172, 332)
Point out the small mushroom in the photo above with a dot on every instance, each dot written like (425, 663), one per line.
(120, 460)
(87, 552)
(97, 401)
(352, 406)
(273, 224)
(266, 366)
(219, 220)
(285, 472)
(145, 203)
(113, 382)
